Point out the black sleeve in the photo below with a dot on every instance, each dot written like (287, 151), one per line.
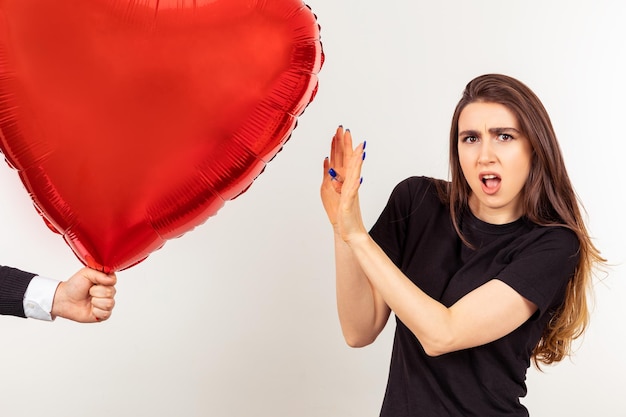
(412, 196)
(389, 231)
(541, 268)
(13, 285)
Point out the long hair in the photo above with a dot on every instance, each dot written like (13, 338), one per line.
(548, 199)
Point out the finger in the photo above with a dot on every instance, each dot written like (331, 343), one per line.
(350, 157)
(353, 173)
(347, 145)
(102, 291)
(337, 154)
(329, 173)
(101, 315)
(326, 168)
(336, 177)
(99, 278)
(332, 149)
(103, 304)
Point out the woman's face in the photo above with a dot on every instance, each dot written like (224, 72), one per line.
(495, 158)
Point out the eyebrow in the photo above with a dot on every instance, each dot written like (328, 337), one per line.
(493, 130)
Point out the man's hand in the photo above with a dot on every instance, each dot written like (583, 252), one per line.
(87, 297)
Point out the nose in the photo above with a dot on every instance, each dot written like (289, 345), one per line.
(486, 154)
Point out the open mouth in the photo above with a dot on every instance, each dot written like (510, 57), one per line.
(491, 181)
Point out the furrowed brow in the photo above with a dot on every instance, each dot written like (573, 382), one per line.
(467, 133)
(499, 130)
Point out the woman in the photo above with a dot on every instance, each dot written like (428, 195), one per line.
(483, 273)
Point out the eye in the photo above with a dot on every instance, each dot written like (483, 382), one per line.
(505, 137)
(469, 139)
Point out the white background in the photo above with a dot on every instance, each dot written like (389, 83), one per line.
(237, 318)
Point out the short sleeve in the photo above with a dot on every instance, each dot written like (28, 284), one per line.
(416, 232)
(413, 205)
(389, 231)
(541, 266)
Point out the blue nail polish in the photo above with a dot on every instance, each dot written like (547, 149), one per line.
(364, 144)
(361, 180)
(332, 173)
(364, 156)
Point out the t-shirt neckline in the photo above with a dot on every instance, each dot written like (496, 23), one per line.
(494, 229)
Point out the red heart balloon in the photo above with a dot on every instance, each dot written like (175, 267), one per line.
(131, 123)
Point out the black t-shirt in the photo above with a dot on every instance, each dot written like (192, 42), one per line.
(415, 230)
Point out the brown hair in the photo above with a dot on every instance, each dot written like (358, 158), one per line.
(548, 200)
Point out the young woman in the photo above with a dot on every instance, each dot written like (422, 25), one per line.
(484, 273)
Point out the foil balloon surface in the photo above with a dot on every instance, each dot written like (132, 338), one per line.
(130, 123)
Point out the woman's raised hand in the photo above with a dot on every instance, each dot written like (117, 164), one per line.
(340, 185)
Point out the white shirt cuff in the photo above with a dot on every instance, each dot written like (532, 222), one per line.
(38, 298)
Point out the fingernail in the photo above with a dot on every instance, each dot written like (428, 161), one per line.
(364, 156)
(364, 144)
(361, 180)
(347, 130)
(332, 173)
(340, 126)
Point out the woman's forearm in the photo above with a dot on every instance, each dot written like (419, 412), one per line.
(484, 315)
(362, 312)
(427, 318)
